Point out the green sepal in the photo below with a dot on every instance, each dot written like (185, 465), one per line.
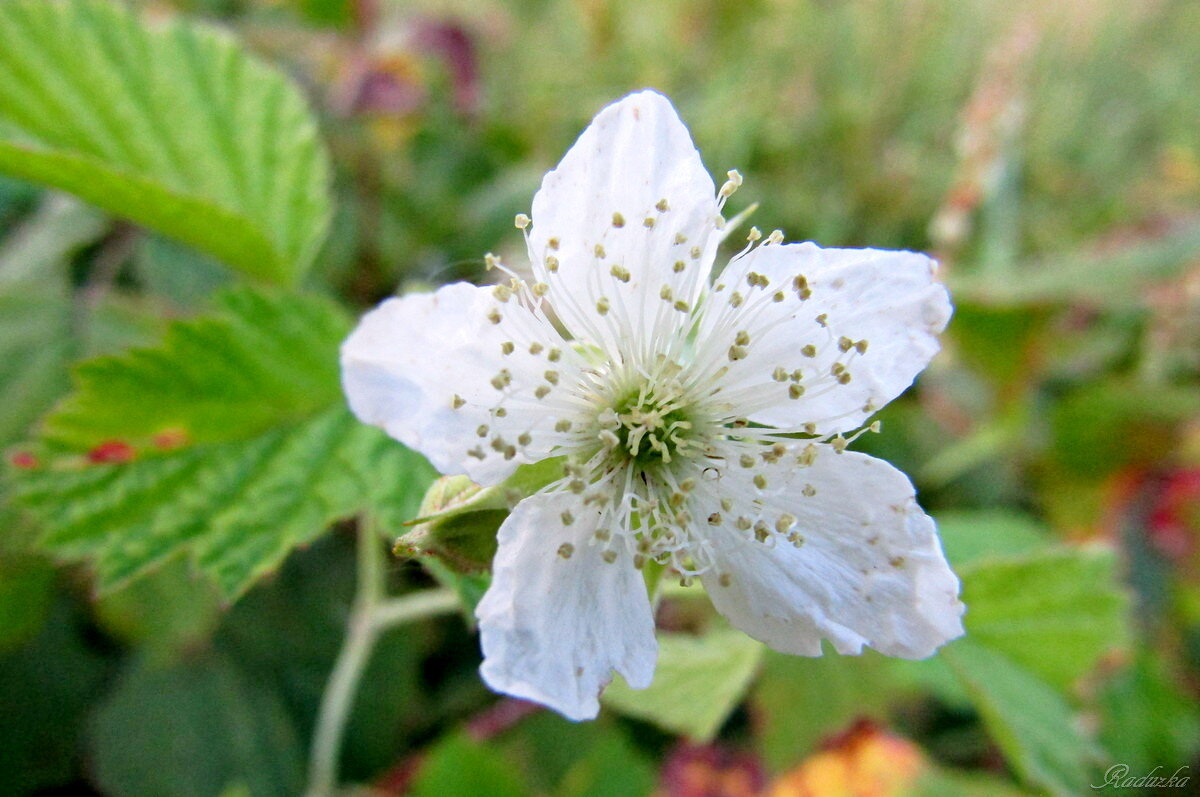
(459, 519)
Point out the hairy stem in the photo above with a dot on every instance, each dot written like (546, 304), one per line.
(371, 614)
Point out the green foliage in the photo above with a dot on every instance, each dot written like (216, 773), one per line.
(26, 591)
(459, 766)
(194, 730)
(698, 681)
(173, 126)
(240, 447)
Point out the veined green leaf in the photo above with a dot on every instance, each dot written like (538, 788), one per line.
(231, 441)
(175, 127)
(699, 680)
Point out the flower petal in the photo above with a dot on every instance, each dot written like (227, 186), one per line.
(554, 627)
(629, 211)
(866, 569)
(857, 325)
(451, 374)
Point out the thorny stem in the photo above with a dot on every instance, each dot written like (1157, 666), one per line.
(371, 614)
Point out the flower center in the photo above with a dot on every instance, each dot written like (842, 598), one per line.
(652, 426)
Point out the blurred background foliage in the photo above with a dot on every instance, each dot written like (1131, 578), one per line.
(1047, 153)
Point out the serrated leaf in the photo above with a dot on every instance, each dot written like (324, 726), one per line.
(174, 126)
(1032, 723)
(240, 447)
(699, 680)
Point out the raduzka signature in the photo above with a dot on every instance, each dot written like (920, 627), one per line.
(1117, 777)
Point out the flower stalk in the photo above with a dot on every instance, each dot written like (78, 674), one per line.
(371, 614)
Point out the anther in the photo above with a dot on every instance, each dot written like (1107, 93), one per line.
(731, 185)
(662, 206)
(679, 267)
(553, 243)
(795, 391)
(809, 491)
(724, 579)
(754, 234)
(598, 250)
(680, 238)
(620, 272)
(809, 350)
(785, 523)
(760, 481)
(735, 299)
(780, 374)
(761, 531)
(524, 439)
(775, 237)
(457, 401)
(839, 444)
(551, 377)
(648, 222)
(736, 353)
(502, 379)
(714, 519)
(554, 355)
(844, 378)
(778, 296)
(694, 253)
(494, 316)
(540, 289)
(541, 391)
(823, 319)
(602, 306)
(609, 556)
(742, 338)
(618, 220)
(565, 550)
(567, 518)
(507, 347)
(746, 461)
(552, 264)
(482, 431)
(521, 221)
(743, 523)
(562, 425)
(535, 348)
(682, 306)
(727, 504)
(665, 293)
(845, 344)
(861, 347)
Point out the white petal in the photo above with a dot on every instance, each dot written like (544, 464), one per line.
(552, 628)
(635, 159)
(887, 299)
(411, 360)
(869, 571)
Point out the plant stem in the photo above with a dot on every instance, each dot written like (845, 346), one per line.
(371, 614)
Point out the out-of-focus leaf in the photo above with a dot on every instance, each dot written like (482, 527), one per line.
(864, 760)
(457, 765)
(611, 768)
(698, 682)
(174, 126)
(192, 731)
(968, 536)
(1053, 613)
(163, 611)
(468, 586)
(230, 440)
(26, 590)
(1032, 723)
(1110, 279)
(47, 687)
(798, 701)
(1149, 720)
(181, 275)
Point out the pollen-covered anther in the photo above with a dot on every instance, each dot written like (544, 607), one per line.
(562, 425)
(521, 221)
(502, 293)
(602, 305)
(524, 439)
(566, 549)
(682, 306)
(809, 350)
(731, 185)
(808, 456)
(553, 243)
(680, 238)
(760, 481)
(552, 264)
(725, 579)
(742, 338)
(761, 531)
(780, 374)
(845, 344)
(661, 205)
(502, 380)
(648, 222)
(714, 519)
(735, 299)
(482, 431)
(541, 391)
(494, 316)
(507, 347)
(844, 378)
(535, 348)
(609, 556)
(839, 444)
(809, 491)
(795, 391)
(694, 253)
(665, 293)
(618, 220)
(746, 461)
(743, 523)
(861, 347)
(551, 377)
(457, 401)
(540, 289)
(567, 518)
(823, 319)
(620, 272)
(679, 267)
(737, 353)
(554, 355)
(775, 237)
(754, 234)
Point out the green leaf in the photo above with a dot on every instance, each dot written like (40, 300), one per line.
(457, 765)
(1032, 723)
(1053, 613)
(193, 731)
(968, 536)
(1035, 623)
(26, 590)
(240, 447)
(699, 680)
(173, 126)
(798, 701)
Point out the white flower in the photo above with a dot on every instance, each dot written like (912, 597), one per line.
(702, 424)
